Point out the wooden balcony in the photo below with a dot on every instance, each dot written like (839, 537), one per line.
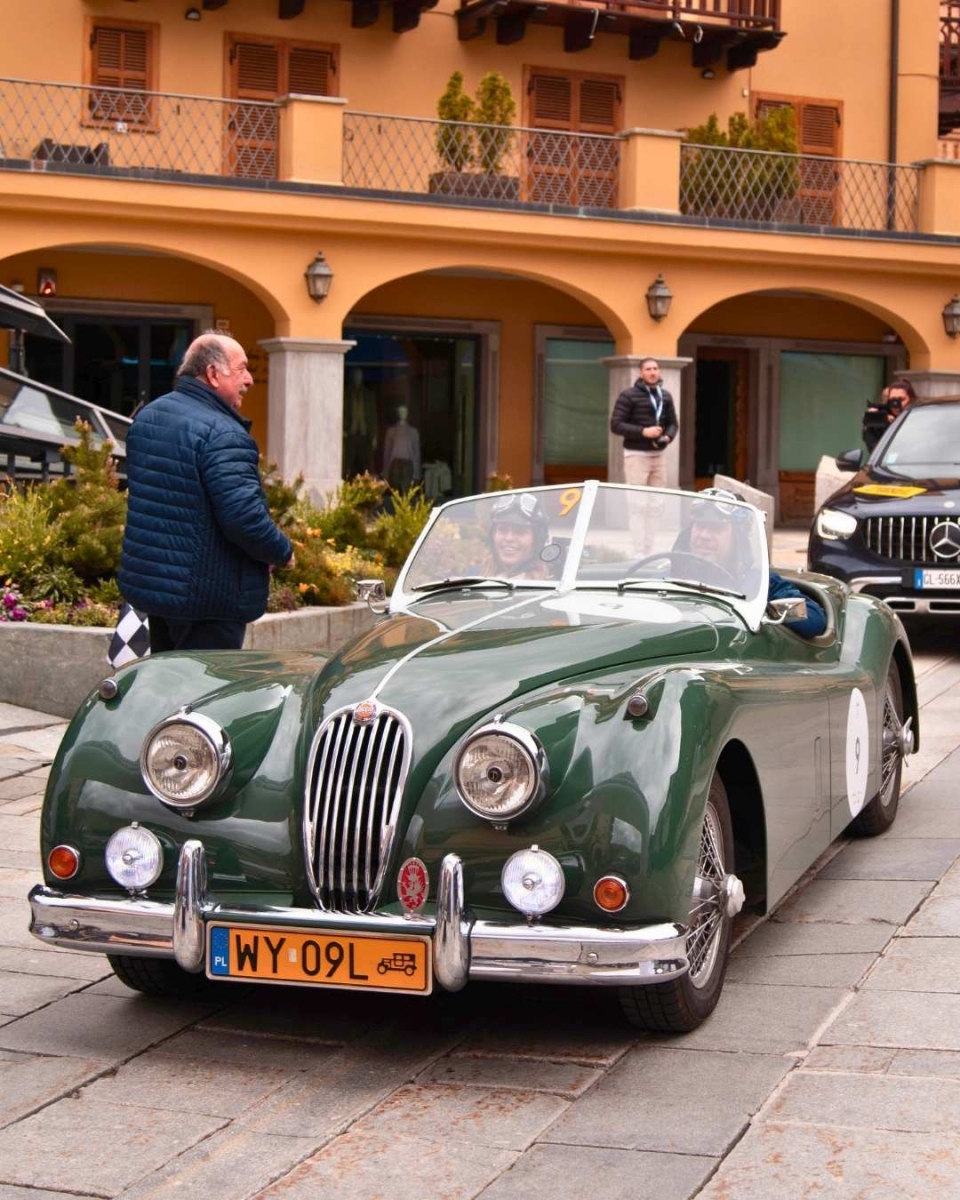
(738, 29)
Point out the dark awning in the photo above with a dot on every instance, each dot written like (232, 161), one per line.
(19, 312)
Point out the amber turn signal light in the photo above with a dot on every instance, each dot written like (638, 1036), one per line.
(611, 893)
(63, 861)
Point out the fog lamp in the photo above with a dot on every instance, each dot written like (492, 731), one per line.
(532, 881)
(184, 758)
(134, 857)
(63, 861)
(611, 893)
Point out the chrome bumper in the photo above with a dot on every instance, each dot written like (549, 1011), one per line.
(463, 948)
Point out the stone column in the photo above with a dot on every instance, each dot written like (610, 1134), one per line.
(623, 371)
(933, 383)
(305, 410)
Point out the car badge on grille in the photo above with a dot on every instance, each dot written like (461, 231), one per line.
(413, 884)
(365, 713)
(945, 539)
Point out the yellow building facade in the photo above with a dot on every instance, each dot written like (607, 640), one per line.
(168, 166)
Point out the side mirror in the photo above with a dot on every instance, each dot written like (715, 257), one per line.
(375, 594)
(849, 460)
(793, 608)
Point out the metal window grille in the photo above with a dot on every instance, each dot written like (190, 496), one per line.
(904, 538)
(130, 133)
(467, 161)
(356, 779)
(762, 186)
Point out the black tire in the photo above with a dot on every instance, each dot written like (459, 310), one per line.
(682, 1004)
(880, 813)
(156, 976)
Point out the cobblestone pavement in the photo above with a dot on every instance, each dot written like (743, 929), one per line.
(830, 1068)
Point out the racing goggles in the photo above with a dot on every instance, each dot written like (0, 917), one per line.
(718, 504)
(523, 504)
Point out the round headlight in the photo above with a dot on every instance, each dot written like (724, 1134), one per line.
(183, 760)
(500, 772)
(532, 881)
(134, 857)
(833, 525)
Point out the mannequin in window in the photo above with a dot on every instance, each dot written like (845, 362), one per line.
(401, 453)
(359, 424)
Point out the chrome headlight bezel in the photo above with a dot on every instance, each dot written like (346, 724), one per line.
(834, 525)
(530, 745)
(214, 735)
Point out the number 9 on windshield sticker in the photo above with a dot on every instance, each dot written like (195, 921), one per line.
(858, 756)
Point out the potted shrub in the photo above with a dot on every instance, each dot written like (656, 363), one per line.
(755, 187)
(474, 138)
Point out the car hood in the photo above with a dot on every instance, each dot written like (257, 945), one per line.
(876, 492)
(449, 660)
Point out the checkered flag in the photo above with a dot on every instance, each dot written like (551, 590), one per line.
(131, 638)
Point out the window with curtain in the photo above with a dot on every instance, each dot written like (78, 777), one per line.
(575, 392)
(822, 398)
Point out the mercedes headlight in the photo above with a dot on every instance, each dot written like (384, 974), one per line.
(833, 526)
(533, 881)
(134, 857)
(501, 771)
(184, 759)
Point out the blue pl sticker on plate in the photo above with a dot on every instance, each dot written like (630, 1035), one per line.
(220, 951)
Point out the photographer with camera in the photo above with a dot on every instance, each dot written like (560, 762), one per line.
(878, 417)
(645, 417)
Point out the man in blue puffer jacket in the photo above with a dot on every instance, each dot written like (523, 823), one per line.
(199, 543)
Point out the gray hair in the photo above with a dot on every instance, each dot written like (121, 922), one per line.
(205, 351)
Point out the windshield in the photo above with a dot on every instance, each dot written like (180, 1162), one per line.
(925, 443)
(594, 536)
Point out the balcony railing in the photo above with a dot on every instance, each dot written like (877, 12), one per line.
(751, 14)
(465, 161)
(761, 186)
(117, 131)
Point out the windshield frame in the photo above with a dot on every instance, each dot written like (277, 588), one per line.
(750, 610)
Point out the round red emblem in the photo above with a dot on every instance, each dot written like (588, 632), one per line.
(413, 884)
(365, 713)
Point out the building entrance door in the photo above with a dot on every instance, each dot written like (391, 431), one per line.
(722, 425)
(410, 409)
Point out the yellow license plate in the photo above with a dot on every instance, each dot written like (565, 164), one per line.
(269, 954)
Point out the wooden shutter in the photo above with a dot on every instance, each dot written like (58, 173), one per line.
(120, 57)
(251, 134)
(818, 134)
(565, 170)
(310, 71)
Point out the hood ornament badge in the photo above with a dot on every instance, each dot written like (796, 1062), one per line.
(365, 713)
(413, 885)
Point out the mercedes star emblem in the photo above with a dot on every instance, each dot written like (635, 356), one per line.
(945, 539)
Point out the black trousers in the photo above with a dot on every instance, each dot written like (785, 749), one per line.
(167, 634)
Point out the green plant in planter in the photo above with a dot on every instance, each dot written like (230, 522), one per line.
(495, 111)
(454, 142)
(753, 186)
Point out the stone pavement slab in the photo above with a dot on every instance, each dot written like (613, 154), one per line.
(915, 964)
(763, 1019)
(560, 1079)
(557, 1040)
(854, 901)
(21, 994)
(938, 918)
(547, 1172)
(902, 858)
(41, 744)
(233, 1164)
(808, 970)
(99, 1027)
(920, 1105)
(14, 717)
(29, 1082)
(301, 1013)
(671, 1100)
(18, 833)
(785, 938)
(43, 960)
(783, 1162)
(117, 1145)
(19, 786)
(358, 1167)
(15, 883)
(922, 1020)
(247, 1052)
(509, 1120)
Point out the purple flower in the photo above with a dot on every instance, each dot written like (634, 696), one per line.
(10, 599)
(18, 614)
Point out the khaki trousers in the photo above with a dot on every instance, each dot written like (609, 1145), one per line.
(646, 469)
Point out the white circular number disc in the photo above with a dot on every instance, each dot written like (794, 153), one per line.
(858, 755)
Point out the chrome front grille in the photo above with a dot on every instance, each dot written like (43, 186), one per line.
(354, 786)
(904, 538)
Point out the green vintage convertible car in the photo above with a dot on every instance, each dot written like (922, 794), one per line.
(576, 741)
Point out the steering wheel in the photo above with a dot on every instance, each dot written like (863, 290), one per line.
(702, 568)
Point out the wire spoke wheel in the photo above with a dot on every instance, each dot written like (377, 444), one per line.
(879, 814)
(679, 1005)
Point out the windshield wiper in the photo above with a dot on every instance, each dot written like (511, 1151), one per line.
(696, 584)
(455, 581)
